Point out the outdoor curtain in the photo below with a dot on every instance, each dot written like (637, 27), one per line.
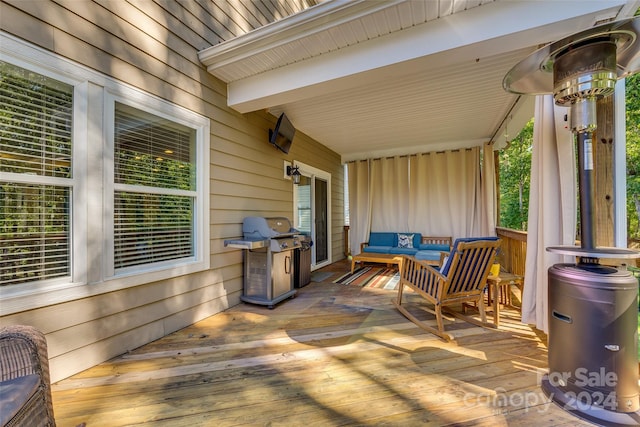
(389, 190)
(489, 212)
(359, 204)
(552, 205)
(445, 193)
(436, 194)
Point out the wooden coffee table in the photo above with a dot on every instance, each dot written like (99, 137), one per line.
(389, 259)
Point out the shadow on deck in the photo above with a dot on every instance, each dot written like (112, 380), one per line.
(333, 355)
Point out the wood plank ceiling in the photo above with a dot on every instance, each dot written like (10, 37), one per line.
(379, 78)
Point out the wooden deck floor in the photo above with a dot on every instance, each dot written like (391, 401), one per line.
(333, 355)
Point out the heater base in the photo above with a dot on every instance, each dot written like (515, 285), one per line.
(592, 413)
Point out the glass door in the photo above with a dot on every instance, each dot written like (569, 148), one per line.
(321, 242)
(312, 216)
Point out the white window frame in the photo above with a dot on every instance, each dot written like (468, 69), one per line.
(77, 258)
(170, 112)
(92, 183)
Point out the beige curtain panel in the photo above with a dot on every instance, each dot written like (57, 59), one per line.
(436, 194)
(390, 194)
(489, 213)
(359, 204)
(445, 193)
(552, 206)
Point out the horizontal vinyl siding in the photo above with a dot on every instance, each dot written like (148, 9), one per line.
(245, 170)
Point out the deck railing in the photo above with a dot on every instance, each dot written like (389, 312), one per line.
(513, 250)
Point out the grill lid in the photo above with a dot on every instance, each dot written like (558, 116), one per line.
(257, 227)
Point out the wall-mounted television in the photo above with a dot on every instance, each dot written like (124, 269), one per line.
(282, 135)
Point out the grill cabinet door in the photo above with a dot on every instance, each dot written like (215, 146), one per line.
(282, 273)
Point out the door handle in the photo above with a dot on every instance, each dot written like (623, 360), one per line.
(287, 264)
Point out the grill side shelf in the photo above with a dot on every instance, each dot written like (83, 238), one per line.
(246, 244)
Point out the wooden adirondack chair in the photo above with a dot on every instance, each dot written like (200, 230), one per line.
(461, 279)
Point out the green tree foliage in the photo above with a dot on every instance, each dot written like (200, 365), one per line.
(515, 175)
(633, 156)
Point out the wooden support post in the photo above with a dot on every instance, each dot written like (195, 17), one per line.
(604, 170)
(496, 162)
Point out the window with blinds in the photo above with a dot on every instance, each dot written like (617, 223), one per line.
(36, 115)
(86, 201)
(154, 188)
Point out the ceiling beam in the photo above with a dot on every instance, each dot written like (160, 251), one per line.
(486, 30)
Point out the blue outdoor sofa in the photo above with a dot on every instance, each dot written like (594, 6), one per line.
(412, 244)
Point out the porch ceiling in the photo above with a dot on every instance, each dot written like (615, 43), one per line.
(378, 78)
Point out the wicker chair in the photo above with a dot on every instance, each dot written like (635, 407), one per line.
(25, 390)
(460, 281)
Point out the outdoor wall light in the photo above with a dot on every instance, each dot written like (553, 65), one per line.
(294, 173)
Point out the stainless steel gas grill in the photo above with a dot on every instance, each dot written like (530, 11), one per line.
(269, 269)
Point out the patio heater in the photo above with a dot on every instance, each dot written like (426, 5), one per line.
(593, 339)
